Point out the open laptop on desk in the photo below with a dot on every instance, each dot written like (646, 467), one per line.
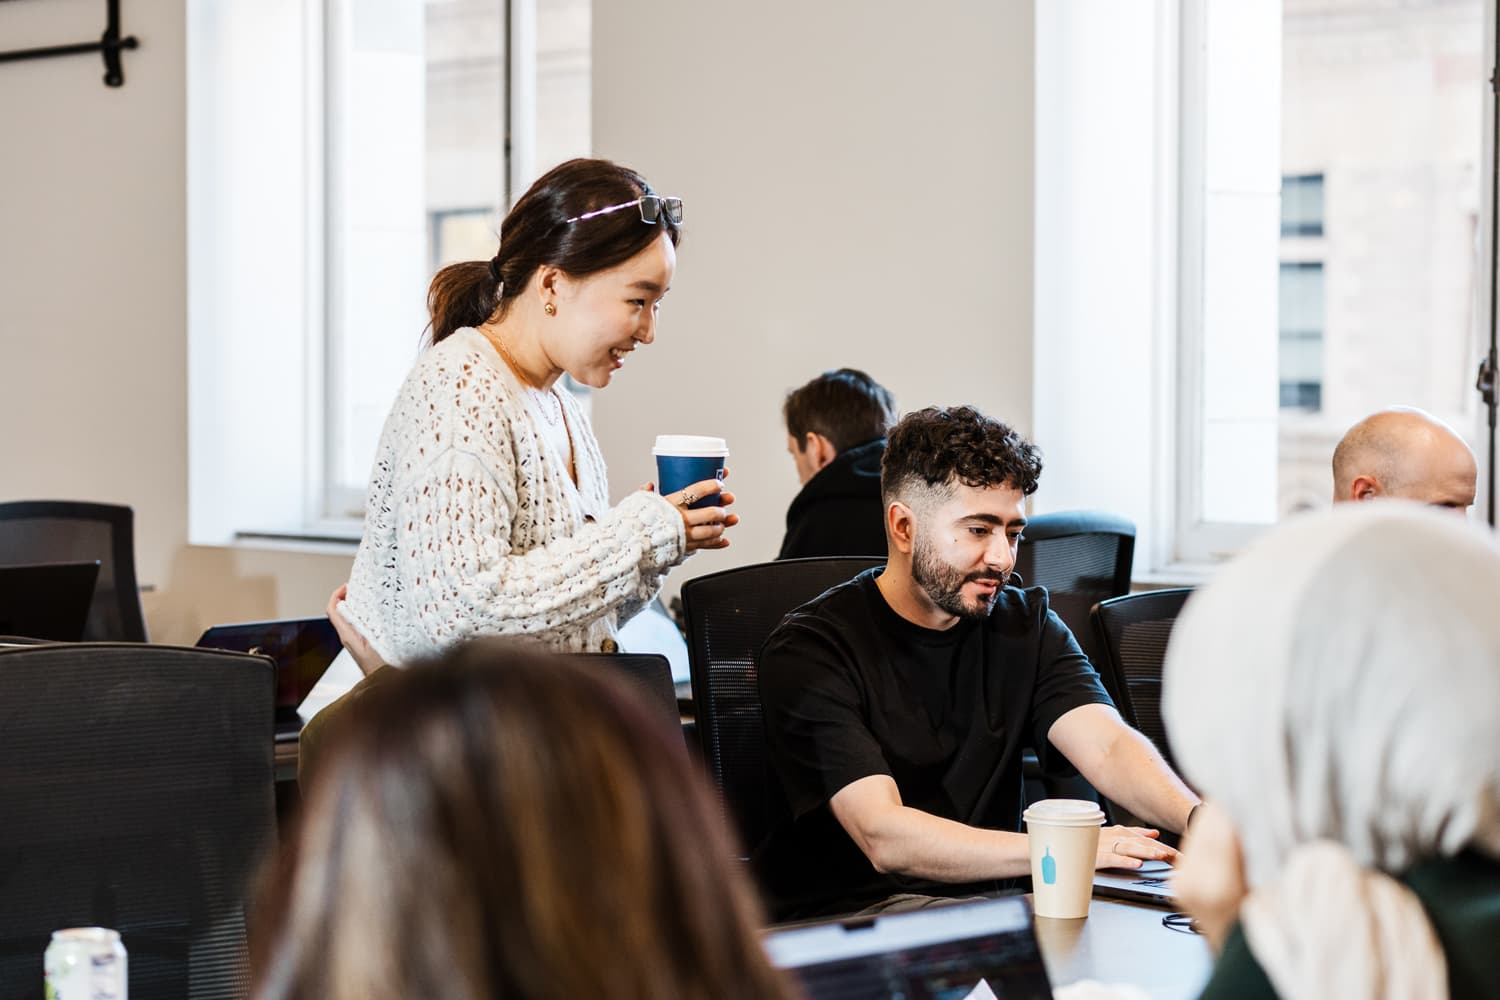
(985, 950)
(1150, 883)
(302, 649)
(47, 600)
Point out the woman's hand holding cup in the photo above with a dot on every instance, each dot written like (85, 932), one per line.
(705, 526)
(688, 456)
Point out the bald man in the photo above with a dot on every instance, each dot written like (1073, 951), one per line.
(1404, 452)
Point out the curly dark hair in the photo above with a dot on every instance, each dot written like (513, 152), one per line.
(939, 446)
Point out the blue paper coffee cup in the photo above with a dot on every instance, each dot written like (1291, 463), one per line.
(685, 459)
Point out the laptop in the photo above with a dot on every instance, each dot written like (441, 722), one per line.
(302, 649)
(967, 951)
(47, 601)
(1150, 883)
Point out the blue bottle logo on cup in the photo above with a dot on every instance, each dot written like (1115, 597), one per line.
(685, 459)
(1049, 867)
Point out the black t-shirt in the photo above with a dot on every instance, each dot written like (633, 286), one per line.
(852, 689)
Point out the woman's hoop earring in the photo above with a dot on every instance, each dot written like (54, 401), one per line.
(550, 309)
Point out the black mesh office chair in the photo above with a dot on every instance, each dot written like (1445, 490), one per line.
(1082, 557)
(1133, 632)
(651, 673)
(135, 793)
(729, 615)
(47, 531)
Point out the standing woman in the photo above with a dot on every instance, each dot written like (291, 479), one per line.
(488, 510)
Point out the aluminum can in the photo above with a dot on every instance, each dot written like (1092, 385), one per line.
(85, 963)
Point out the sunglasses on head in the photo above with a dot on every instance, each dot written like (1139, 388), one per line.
(652, 207)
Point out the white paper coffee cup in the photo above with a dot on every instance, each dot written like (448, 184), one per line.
(1064, 838)
(685, 459)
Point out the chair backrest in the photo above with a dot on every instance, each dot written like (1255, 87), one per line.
(651, 673)
(1133, 631)
(1082, 557)
(136, 792)
(46, 531)
(729, 616)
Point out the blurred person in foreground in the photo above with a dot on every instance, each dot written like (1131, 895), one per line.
(1334, 693)
(506, 823)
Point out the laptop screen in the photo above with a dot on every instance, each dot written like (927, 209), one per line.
(47, 601)
(301, 647)
(968, 951)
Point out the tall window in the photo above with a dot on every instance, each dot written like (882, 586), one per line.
(417, 178)
(340, 151)
(1330, 193)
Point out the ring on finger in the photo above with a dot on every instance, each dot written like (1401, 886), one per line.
(1117, 846)
(687, 499)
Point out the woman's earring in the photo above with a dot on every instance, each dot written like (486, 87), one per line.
(550, 309)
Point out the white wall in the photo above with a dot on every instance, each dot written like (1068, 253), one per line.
(93, 307)
(857, 179)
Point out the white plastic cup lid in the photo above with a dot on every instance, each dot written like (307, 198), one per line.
(690, 446)
(87, 935)
(1064, 812)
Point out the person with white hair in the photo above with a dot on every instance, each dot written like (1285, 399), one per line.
(1334, 694)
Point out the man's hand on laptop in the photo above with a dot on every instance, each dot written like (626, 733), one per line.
(1128, 846)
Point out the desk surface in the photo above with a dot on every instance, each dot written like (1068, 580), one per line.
(1125, 944)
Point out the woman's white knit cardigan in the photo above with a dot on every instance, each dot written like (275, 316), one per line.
(473, 525)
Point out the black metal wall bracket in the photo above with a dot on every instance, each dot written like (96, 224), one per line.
(109, 45)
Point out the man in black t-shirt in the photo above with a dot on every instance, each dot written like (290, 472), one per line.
(897, 705)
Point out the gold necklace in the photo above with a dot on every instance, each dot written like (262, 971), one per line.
(551, 409)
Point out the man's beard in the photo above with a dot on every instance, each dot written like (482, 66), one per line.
(944, 582)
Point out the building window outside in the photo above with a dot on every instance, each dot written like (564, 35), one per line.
(1302, 205)
(1300, 308)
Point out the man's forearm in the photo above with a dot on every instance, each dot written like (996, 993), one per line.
(1134, 774)
(917, 844)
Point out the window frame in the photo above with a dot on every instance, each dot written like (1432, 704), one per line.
(263, 286)
(1196, 542)
(335, 504)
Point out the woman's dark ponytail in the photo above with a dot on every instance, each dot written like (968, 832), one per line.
(461, 295)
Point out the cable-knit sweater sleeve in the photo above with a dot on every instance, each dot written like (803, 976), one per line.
(454, 546)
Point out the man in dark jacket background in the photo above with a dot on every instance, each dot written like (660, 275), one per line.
(836, 428)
